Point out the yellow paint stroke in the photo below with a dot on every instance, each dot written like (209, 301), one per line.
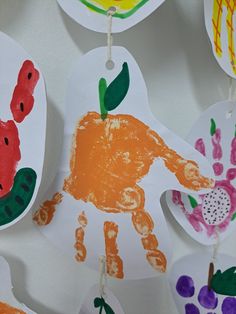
(44, 215)
(218, 6)
(123, 5)
(7, 309)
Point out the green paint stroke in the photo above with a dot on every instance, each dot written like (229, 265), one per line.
(233, 217)
(235, 131)
(117, 14)
(16, 201)
(225, 283)
(102, 89)
(213, 127)
(117, 90)
(101, 304)
(192, 201)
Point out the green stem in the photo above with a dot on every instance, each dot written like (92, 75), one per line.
(100, 311)
(102, 90)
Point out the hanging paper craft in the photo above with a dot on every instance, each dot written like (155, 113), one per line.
(189, 285)
(214, 214)
(96, 304)
(220, 23)
(22, 131)
(115, 166)
(8, 302)
(92, 14)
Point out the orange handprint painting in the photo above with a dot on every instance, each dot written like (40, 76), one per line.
(220, 23)
(111, 154)
(7, 309)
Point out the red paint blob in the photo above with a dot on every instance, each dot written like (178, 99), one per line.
(21, 103)
(9, 155)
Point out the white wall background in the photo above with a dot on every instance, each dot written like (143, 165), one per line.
(183, 79)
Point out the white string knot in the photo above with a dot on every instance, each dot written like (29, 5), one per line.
(103, 275)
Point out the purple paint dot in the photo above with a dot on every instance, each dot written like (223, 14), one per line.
(185, 286)
(207, 298)
(229, 306)
(191, 309)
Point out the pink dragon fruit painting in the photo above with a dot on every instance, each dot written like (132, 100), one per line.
(209, 216)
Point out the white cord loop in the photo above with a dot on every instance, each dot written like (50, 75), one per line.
(103, 275)
(110, 64)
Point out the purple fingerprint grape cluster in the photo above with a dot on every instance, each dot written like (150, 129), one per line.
(207, 298)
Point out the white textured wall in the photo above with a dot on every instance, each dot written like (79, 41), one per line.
(183, 79)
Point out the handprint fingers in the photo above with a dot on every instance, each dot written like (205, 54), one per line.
(81, 251)
(113, 260)
(144, 225)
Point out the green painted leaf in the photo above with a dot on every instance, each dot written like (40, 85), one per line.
(97, 302)
(108, 309)
(192, 201)
(235, 131)
(213, 127)
(102, 90)
(233, 217)
(225, 283)
(117, 90)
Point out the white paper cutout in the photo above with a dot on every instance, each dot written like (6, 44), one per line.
(88, 303)
(135, 10)
(205, 225)
(187, 278)
(22, 87)
(79, 221)
(8, 302)
(220, 24)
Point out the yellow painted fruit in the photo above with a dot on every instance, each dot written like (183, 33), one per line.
(124, 8)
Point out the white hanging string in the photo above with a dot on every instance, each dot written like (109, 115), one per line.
(110, 64)
(103, 275)
(216, 246)
(214, 258)
(230, 98)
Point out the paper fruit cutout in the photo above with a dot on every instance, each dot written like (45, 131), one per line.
(220, 24)
(8, 302)
(209, 215)
(92, 14)
(96, 304)
(105, 199)
(188, 280)
(22, 131)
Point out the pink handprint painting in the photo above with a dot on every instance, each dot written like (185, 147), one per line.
(212, 215)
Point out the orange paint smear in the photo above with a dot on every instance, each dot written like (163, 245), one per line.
(157, 260)
(150, 242)
(110, 157)
(7, 309)
(113, 260)
(143, 223)
(81, 251)
(83, 220)
(44, 215)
